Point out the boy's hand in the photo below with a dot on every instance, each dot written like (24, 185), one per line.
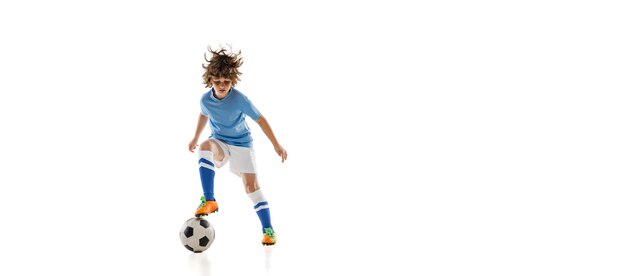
(281, 152)
(193, 144)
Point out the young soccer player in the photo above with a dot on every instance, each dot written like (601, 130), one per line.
(226, 108)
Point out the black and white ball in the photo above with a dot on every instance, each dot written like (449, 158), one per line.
(197, 234)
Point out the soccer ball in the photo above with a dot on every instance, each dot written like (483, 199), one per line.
(197, 234)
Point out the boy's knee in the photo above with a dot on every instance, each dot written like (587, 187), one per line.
(214, 148)
(250, 182)
(206, 145)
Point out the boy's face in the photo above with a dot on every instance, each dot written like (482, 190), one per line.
(221, 86)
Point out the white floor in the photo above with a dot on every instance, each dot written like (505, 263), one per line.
(443, 229)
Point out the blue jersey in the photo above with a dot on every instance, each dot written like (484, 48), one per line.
(227, 117)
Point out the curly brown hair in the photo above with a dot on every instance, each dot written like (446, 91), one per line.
(223, 64)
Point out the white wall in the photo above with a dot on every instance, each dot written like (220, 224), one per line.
(481, 137)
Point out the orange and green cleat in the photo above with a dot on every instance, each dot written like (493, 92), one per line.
(206, 207)
(269, 237)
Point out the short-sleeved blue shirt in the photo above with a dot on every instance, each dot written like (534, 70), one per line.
(227, 117)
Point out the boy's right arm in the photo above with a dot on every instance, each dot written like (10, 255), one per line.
(202, 120)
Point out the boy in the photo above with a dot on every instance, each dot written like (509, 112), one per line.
(226, 108)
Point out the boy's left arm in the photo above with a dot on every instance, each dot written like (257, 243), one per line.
(265, 126)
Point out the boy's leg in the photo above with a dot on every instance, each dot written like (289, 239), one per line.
(261, 207)
(206, 165)
(207, 154)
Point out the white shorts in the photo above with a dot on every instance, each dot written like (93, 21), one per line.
(241, 159)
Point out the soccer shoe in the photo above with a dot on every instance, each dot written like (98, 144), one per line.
(206, 207)
(269, 237)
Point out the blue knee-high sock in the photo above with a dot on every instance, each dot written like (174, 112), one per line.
(207, 173)
(261, 208)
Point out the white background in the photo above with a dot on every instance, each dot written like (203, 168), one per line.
(424, 138)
